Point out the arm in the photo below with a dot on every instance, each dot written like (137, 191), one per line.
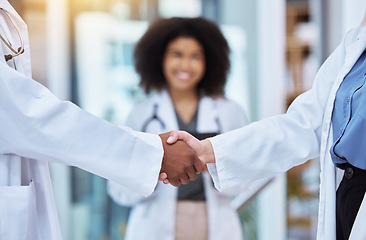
(273, 145)
(37, 125)
(233, 117)
(276, 144)
(124, 196)
(119, 193)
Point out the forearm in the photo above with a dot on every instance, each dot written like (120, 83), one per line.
(37, 125)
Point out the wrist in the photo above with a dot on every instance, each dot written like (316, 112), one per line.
(208, 155)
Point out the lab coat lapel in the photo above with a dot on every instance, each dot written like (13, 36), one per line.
(353, 52)
(166, 111)
(328, 171)
(23, 63)
(355, 49)
(358, 232)
(7, 6)
(207, 113)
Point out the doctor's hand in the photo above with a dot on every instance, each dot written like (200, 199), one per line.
(180, 162)
(203, 150)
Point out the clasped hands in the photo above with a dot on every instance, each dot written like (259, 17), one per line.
(184, 157)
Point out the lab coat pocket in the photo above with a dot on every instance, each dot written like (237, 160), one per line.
(18, 215)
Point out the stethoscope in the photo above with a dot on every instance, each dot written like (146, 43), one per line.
(8, 44)
(154, 117)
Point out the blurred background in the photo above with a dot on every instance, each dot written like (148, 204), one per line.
(82, 50)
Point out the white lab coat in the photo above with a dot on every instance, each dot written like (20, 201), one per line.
(36, 127)
(154, 217)
(304, 132)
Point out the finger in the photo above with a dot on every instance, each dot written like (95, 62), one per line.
(192, 175)
(174, 182)
(184, 180)
(198, 165)
(163, 176)
(166, 181)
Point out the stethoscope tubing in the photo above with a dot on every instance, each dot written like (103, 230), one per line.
(155, 117)
(8, 44)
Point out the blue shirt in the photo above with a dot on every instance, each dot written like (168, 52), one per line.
(349, 118)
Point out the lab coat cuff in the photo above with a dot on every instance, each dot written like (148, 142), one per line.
(213, 172)
(148, 168)
(221, 176)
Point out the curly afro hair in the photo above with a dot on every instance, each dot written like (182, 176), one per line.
(150, 49)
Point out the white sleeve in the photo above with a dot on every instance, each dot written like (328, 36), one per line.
(264, 148)
(120, 194)
(35, 124)
(232, 117)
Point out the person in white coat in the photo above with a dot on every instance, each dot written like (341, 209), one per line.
(328, 122)
(37, 128)
(186, 61)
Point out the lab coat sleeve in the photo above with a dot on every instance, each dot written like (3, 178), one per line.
(274, 145)
(35, 124)
(123, 195)
(232, 116)
(119, 193)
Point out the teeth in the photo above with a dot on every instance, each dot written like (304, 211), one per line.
(183, 75)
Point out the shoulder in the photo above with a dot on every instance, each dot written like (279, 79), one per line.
(229, 111)
(354, 34)
(226, 105)
(146, 104)
(140, 112)
(143, 105)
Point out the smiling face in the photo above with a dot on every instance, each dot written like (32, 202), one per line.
(184, 64)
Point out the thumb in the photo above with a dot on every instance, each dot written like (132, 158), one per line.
(173, 137)
(191, 141)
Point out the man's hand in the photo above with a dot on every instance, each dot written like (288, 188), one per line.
(180, 162)
(203, 149)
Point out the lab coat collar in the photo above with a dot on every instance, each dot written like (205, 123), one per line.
(207, 115)
(166, 110)
(355, 49)
(207, 112)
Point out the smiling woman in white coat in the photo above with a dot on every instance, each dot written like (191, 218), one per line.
(328, 121)
(185, 60)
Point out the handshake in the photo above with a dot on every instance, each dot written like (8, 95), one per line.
(184, 157)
